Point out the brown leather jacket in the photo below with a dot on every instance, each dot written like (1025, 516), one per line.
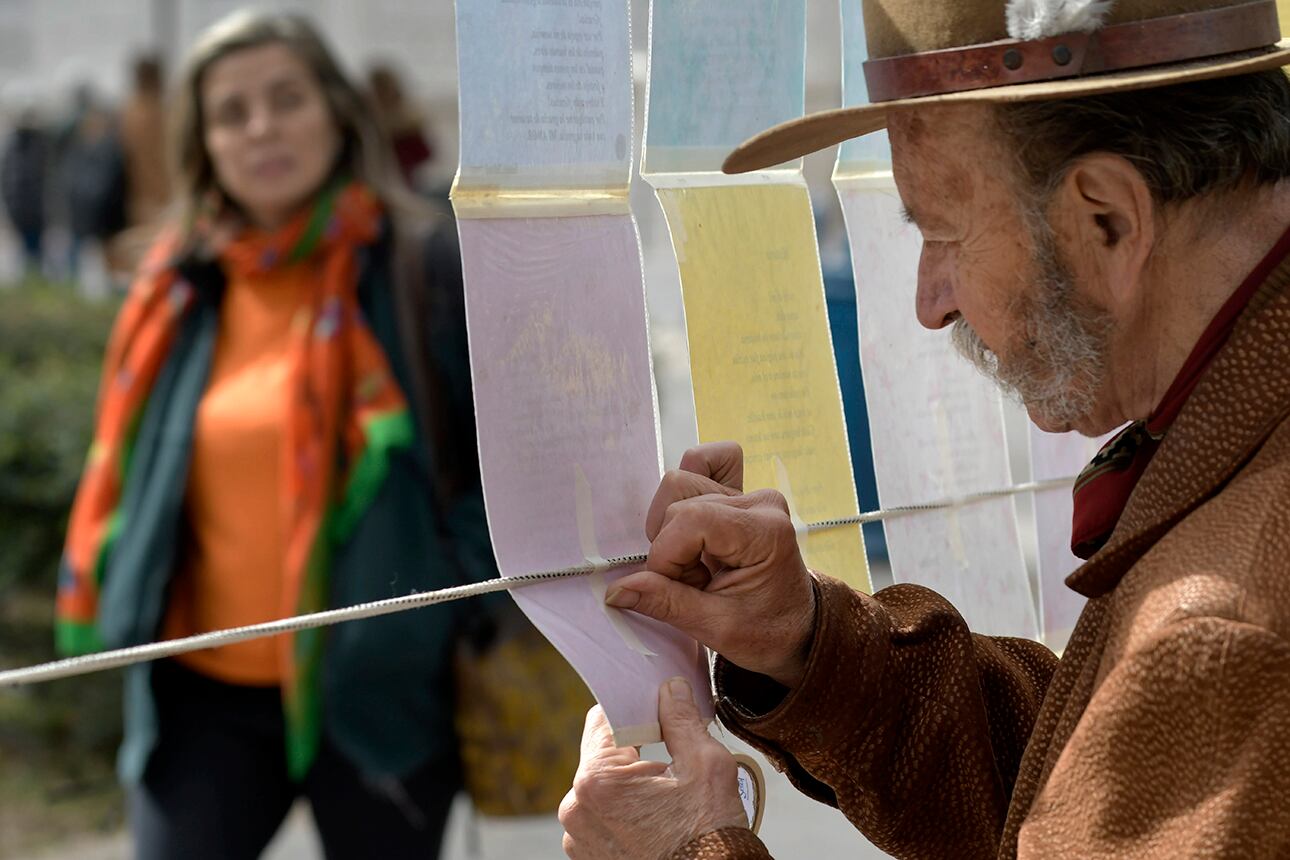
(1163, 732)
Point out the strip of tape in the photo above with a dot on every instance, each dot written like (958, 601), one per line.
(785, 487)
(586, 517)
(496, 202)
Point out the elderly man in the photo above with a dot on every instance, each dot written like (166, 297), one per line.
(1111, 243)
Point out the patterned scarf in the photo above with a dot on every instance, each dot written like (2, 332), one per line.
(1103, 489)
(346, 416)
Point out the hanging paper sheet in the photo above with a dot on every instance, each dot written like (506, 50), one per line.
(761, 356)
(555, 305)
(872, 151)
(1058, 455)
(936, 424)
(719, 73)
(545, 93)
(938, 432)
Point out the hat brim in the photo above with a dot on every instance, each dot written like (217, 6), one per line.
(799, 137)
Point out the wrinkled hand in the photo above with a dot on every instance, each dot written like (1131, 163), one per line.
(724, 567)
(623, 806)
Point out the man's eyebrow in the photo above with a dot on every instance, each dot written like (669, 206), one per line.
(907, 215)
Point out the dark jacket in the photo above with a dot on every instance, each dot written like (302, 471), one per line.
(387, 686)
(94, 181)
(22, 178)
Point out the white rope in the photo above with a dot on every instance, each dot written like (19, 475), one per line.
(105, 660)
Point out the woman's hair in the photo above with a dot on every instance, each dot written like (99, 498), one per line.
(365, 155)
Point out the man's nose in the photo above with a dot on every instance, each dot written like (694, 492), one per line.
(934, 301)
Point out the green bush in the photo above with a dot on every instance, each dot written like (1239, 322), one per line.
(51, 350)
(56, 740)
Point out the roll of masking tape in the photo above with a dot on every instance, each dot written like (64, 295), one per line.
(752, 789)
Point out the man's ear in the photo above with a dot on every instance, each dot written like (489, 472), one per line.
(1111, 218)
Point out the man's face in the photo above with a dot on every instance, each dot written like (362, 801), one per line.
(994, 270)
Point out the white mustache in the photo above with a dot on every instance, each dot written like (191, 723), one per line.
(1059, 362)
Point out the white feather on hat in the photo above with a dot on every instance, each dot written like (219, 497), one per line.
(1039, 19)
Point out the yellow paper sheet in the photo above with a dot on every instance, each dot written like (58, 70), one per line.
(761, 355)
(1283, 11)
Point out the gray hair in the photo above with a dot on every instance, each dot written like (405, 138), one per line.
(1187, 140)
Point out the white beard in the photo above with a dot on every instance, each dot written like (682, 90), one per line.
(1059, 363)
(1039, 19)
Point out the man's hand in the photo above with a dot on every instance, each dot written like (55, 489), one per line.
(623, 806)
(724, 568)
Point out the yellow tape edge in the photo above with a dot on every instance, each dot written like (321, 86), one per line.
(494, 202)
(853, 177)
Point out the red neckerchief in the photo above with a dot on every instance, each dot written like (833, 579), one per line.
(1104, 487)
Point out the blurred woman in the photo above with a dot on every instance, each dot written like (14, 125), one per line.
(143, 140)
(285, 425)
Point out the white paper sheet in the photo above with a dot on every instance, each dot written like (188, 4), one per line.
(938, 432)
(546, 92)
(1058, 455)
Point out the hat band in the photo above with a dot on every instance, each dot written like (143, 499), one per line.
(1134, 45)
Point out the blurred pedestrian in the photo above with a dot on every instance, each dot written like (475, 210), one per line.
(402, 124)
(285, 425)
(24, 166)
(143, 131)
(93, 183)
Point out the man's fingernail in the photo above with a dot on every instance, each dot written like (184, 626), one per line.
(680, 689)
(621, 598)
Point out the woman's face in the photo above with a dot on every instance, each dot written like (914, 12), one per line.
(269, 132)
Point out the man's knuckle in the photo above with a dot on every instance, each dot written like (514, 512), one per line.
(664, 607)
(687, 513)
(568, 808)
(779, 527)
(584, 784)
(712, 757)
(592, 789)
(774, 499)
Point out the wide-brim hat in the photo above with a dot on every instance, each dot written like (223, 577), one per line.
(943, 52)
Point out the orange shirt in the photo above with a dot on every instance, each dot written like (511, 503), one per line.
(231, 565)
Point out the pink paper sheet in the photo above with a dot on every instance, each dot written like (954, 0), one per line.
(564, 395)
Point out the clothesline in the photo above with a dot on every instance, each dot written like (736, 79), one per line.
(119, 658)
